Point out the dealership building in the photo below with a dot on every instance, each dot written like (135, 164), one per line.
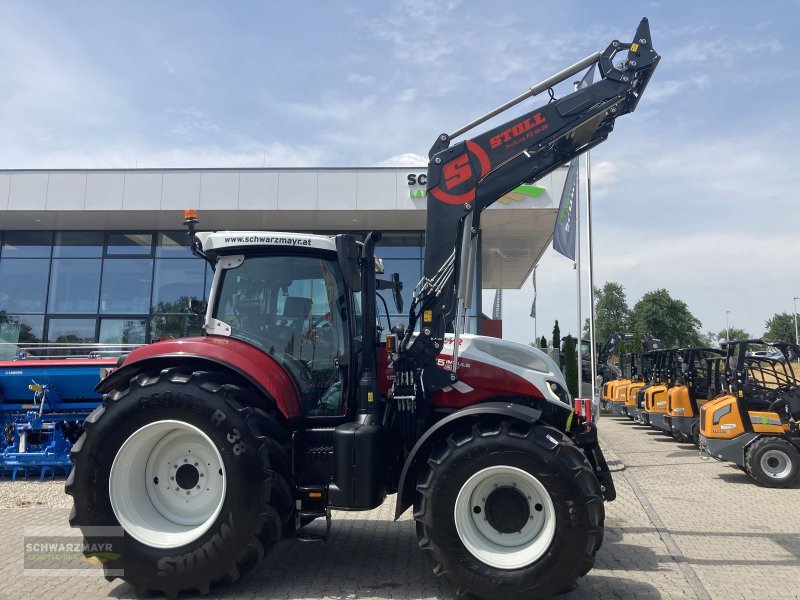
(100, 255)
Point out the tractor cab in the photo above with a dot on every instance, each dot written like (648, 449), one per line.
(291, 302)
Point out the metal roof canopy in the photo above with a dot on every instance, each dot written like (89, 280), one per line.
(516, 229)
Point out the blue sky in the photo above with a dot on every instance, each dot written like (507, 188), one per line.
(695, 192)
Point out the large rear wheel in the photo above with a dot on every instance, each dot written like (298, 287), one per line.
(773, 462)
(194, 478)
(509, 510)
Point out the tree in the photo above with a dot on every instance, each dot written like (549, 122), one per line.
(709, 340)
(780, 328)
(636, 343)
(735, 334)
(173, 319)
(557, 338)
(611, 311)
(667, 319)
(543, 343)
(571, 365)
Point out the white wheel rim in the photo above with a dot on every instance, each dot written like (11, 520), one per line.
(776, 464)
(511, 550)
(167, 484)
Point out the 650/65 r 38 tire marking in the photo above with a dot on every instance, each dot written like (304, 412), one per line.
(509, 510)
(140, 464)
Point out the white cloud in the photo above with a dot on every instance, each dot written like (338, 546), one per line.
(358, 78)
(129, 157)
(660, 91)
(723, 50)
(407, 95)
(409, 159)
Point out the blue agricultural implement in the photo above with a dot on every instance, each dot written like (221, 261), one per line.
(43, 403)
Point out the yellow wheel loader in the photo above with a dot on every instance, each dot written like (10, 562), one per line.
(754, 425)
(699, 380)
(655, 398)
(643, 364)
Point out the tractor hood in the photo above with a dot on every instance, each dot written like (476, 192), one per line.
(520, 368)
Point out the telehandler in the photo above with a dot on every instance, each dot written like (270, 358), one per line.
(207, 451)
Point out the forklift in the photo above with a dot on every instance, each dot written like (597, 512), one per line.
(206, 452)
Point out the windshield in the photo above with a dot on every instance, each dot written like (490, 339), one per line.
(291, 307)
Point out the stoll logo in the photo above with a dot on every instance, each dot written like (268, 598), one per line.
(418, 181)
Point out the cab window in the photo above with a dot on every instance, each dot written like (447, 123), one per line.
(291, 308)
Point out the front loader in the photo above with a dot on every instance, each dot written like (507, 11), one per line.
(755, 424)
(207, 451)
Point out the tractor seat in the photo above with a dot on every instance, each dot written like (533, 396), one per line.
(788, 405)
(297, 307)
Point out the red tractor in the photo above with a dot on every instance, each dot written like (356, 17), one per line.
(207, 451)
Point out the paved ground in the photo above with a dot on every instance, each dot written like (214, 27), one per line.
(680, 528)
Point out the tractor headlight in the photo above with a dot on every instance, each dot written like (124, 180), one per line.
(516, 356)
(558, 392)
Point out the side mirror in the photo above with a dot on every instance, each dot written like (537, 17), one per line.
(348, 253)
(396, 289)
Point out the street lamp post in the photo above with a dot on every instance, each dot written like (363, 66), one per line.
(796, 337)
(727, 327)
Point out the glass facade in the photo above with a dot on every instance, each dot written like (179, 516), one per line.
(134, 287)
(108, 287)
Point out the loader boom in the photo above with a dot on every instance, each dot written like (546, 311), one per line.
(469, 176)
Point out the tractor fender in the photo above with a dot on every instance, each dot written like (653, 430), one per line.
(419, 453)
(251, 364)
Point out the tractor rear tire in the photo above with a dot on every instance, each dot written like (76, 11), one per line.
(183, 482)
(773, 462)
(509, 510)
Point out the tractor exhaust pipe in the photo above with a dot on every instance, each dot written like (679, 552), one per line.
(368, 384)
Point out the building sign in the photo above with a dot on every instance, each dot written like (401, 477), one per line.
(417, 183)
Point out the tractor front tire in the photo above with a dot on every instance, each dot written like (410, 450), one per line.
(773, 462)
(180, 482)
(509, 510)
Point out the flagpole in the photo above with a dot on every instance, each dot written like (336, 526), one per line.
(577, 266)
(533, 310)
(578, 285)
(592, 354)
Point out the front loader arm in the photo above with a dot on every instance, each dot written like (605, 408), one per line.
(467, 177)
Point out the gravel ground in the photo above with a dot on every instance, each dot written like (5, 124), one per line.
(34, 494)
